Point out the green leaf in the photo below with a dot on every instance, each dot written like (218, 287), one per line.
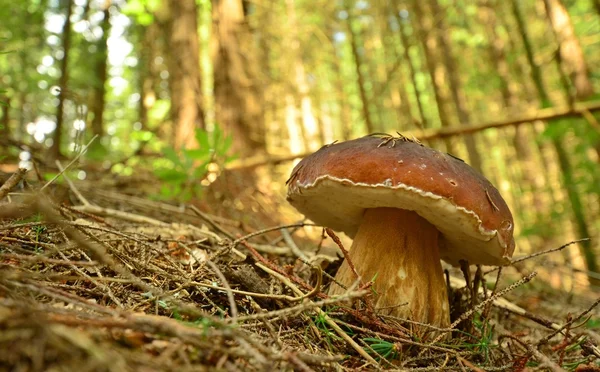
(142, 135)
(171, 175)
(172, 156)
(145, 19)
(227, 144)
(165, 191)
(202, 139)
(197, 154)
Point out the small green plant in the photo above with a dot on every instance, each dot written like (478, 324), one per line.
(593, 323)
(38, 230)
(320, 321)
(182, 172)
(483, 345)
(384, 349)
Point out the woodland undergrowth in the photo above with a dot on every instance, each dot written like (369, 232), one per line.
(107, 281)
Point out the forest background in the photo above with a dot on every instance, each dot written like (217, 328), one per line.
(190, 90)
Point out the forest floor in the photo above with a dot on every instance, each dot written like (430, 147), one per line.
(98, 276)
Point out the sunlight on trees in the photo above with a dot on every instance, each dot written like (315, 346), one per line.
(285, 78)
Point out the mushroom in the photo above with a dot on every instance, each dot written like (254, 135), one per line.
(406, 206)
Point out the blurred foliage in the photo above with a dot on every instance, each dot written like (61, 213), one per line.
(138, 98)
(184, 172)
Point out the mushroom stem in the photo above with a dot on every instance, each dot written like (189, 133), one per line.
(398, 250)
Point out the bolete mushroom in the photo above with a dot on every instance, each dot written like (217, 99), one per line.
(406, 206)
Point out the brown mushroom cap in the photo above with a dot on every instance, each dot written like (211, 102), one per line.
(337, 183)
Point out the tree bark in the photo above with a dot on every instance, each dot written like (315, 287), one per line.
(184, 71)
(406, 44)
(358, 64)
(456, 92)
(4, 124)
(101, 74)
(596, 6)
(238, 95)
(301, 89)
(569, 49)
(153, 44)
(564, 162)
(55, 152)
(296, 144)
(536, 72)
(398, 92)
(344, 110)
(424, 30)
(496, 51)
(522, 138)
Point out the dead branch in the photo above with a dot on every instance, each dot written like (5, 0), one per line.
(530, 116)
(12, 182)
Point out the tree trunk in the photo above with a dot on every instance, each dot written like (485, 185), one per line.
(301, 90)
(496, 52)
(569, 48)
(406, 44)
(564, 163)
(536, 72)
(522, 136)
(397, 87)
(184, 71)
(4, 124)
(596, 6)
(360, 78)
(144, 81)
(423, 24)
(101, 74)
(296, 145)
(455, 85)
(238, 96)
(570, 58)
(55, 152)
(344, 110)
(526, 92)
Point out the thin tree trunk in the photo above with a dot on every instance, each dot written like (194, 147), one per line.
(275, 130)
(20, 132)
(360, 78)
(101, 74)
(4, 124)
(570, 58)
(309, 124)
(455, 85)
(525, 93)
(184, 71)
(238, 98)
(344, 108)
(496, 51)
(149, 71)
(569, 48)
(296, 144)
(423, 24)
(406, 44)
(571, 64)
(596, 4)
(522, 138)
(324, 121)
(398, 93)
(565, 166)
(55, 152)
(536, 72)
